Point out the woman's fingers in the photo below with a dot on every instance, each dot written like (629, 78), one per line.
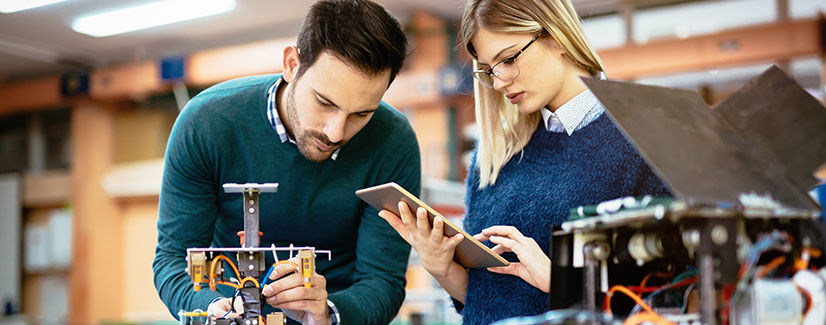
(422, 223)
(505, 231)
(455, 240)
(437, 233)
(508, 243)
(395, 222)
(509, 269)
(499, 249)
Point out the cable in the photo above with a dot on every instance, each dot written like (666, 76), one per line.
(249, 278)
(763, 271)
(213, 281)
(232, 303)
(628, 293)
(685, 298)
(774, 239)
(662, 289)
(648, 317)
(267, 276)
(661, 275)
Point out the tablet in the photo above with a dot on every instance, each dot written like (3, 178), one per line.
(470, 253)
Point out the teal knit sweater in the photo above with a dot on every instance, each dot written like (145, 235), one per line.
(223, 136)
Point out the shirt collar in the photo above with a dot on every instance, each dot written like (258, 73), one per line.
(275, 121)
(570, 116)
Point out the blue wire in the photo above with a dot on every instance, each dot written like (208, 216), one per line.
(230, 307)
(267, 276)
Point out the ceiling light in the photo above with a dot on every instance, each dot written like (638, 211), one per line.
(149, 15)
(9, 6)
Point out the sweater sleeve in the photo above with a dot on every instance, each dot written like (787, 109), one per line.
(381, 258)
(187, 213)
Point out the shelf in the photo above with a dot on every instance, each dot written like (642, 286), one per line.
(48, 188)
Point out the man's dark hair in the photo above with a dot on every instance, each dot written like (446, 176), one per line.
(359, 32)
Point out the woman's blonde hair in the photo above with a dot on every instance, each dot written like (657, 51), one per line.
(504, 131)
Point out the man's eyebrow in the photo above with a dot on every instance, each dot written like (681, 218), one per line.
(367, 111)
(496, 57)
(324, 98)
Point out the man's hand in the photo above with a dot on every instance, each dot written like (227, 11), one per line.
(305, 305)
(220, 308)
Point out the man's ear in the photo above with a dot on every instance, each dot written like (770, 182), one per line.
(290, 63)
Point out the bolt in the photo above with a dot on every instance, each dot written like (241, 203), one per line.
(251, 267)
(252, 210)
(691, 238)
(719, 235)
(252, 202)
(248, 322)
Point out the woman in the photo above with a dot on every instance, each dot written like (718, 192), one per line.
(545, 146)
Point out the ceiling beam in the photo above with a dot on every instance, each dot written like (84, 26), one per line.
(742, 46)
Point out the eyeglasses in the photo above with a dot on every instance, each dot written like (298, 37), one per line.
(505, 70)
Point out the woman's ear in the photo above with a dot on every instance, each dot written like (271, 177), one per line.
(554, 47)
(290, 63)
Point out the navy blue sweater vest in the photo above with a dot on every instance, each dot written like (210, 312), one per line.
(535, 190)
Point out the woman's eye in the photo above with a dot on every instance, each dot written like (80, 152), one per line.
(509, 60)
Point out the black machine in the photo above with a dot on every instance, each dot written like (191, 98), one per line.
(741, 241)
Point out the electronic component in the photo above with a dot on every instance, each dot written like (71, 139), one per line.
(211, 266)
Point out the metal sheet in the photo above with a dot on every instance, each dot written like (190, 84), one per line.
(702, 157)
(779, 116)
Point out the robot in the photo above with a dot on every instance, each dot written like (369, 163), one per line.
(212, 267)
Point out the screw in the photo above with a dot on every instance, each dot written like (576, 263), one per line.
(252, 210)
(719, 235)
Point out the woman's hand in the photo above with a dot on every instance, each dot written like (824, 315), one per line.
(534, 266)
(434, 248)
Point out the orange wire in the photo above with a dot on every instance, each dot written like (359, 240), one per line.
(770, 266)
(628, 293)
(249, 278)
(661, 275)
(646, 317)
(212, 280)
(287, 262)
(229, 284)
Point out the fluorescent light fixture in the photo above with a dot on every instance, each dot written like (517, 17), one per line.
(149, 15)
(9, 6)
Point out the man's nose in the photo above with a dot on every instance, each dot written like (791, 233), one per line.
(334, 128)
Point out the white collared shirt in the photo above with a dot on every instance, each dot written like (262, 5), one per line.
(574, 114)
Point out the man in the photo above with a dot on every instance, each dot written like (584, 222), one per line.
(321, 131)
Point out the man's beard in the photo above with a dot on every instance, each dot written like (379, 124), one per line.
(304, 137)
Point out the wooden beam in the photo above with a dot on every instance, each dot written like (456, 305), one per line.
(96, 279)
(133, 80)
(215, 65)
(30, 95)
(748, 45)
